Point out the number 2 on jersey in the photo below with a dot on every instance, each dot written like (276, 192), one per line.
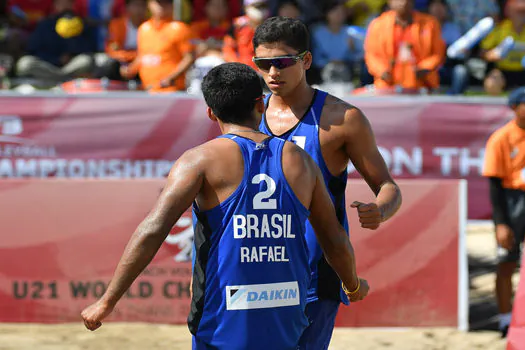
(299, 141)
(262, 199)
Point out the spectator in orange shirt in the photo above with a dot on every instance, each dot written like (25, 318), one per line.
(404, 48)
(238, 44)
(121, 46)
(210, 33)
(504, 164)
(165, 51)
(216, 24)
(199, 9)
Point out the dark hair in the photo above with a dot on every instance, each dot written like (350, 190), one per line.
(231, 90)
(290, 31)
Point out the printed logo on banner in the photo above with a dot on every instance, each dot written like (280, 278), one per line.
(180, 239)
(262, 296)
(23, 157)
(16, 151)
(10, 127)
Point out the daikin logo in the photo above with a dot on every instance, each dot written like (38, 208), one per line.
(262, 296)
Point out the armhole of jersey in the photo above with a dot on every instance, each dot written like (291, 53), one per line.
(263, 127)
(317, 113)
(279, 166)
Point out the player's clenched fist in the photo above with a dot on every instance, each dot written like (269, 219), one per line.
(359, 293)
(94, 314)
(370, 215)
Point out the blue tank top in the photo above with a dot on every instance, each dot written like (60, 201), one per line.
(325, 283)
(250, 267)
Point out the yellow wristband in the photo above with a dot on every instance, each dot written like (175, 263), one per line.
(355, 291)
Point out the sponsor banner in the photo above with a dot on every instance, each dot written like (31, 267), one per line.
(140, 137)
(416, 263)
(75, 137)
(516, 336)
(60, 241)
(437, 138)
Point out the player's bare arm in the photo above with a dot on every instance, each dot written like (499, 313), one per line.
(307, 182)
(184, 183)
(333, 238)
(355, 139)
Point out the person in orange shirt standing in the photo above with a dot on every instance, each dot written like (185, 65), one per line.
(210, 35)
(121, 46)
(404, 48)
(165, 51)
(216, 24)
(505, 168)
(238, 44)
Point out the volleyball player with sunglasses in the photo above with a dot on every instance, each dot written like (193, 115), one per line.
(333, 132)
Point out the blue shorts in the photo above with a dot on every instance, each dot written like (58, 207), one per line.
(321, 314)
(198, 345)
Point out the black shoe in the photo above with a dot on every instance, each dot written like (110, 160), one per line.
(504, 331)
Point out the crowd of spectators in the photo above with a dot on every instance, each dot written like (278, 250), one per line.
(392, 44)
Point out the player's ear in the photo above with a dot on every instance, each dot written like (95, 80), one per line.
(307, 60)
(259, 106)
(211, 115)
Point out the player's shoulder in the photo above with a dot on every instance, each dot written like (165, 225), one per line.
(339, 112)
(295, 156)
(209, 151)
(297, 163)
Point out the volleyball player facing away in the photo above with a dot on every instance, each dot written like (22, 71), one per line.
(251, 194)
(333, 133)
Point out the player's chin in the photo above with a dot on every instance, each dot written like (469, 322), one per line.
(278, 90)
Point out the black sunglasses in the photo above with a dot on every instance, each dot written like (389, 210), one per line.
(280, 62)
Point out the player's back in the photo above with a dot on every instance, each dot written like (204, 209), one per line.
(251, 271)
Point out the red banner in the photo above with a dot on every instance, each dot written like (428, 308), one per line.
(60, 241)
(140, 137)
(516, 336)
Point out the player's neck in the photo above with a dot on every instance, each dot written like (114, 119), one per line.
(234, 128)
(302, 93)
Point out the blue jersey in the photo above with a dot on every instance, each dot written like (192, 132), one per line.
(325, 283)
(250, 267)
